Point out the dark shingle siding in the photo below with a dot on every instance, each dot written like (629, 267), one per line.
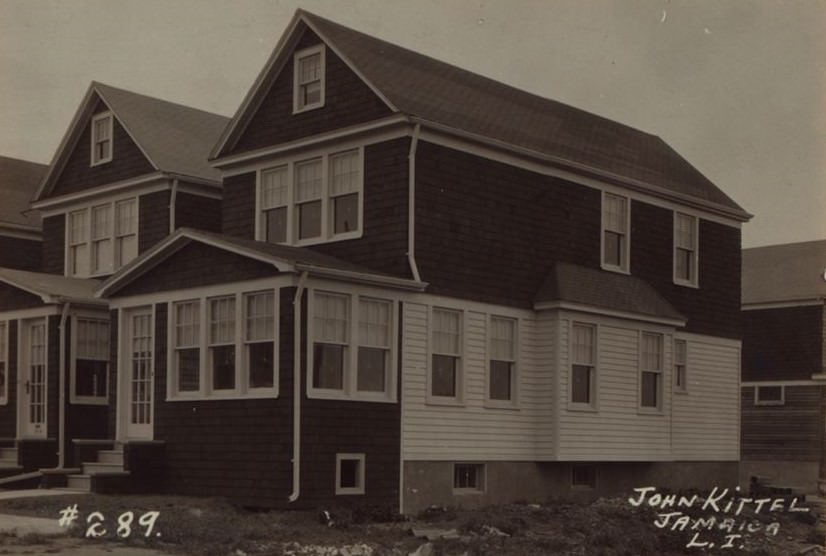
(348, 101)
(783, 343)
(238, 207)
(54, 244)
(196, 211)
(8, 412)
(127, 162)
(153, 222)
(20, 253)
(792, 431)
(12, 299)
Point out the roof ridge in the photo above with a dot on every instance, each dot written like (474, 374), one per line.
(98, 84)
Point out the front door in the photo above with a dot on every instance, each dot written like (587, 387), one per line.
(137, 374)
(32, 383)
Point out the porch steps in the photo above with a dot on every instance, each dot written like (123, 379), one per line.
(109, 464)
(8, 462)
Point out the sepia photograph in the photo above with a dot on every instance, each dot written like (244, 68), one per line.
(393, 278)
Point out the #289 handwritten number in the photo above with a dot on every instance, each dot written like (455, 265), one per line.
(125, 520)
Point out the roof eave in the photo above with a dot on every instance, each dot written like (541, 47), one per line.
(583, 307)
(362, 277)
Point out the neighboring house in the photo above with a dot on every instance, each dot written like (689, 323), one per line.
(20, 235)
(784, 364)
(430, 287)
(129, 170)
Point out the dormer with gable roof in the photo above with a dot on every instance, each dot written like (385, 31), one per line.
(129, 170)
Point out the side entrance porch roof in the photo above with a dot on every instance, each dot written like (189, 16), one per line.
(53, 288)
(283, 258)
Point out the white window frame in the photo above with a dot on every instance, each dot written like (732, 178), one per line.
(781, 401)
(349, 390)
(481, 486)
(362, 473)
(625, 252)
(593, 403)
(459, 398)
(298, 105)
(680, 388)
(93, 158)
(693, 279)
(513, 402)
(4, 359)
(74, 397)
(327, 198)
(242, 387)
(660, 405)
(88, 242)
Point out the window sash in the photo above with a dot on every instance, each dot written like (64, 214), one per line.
(274, 188)
(92, 339)
(344, 173)
(615, 214)
(502, 339)
(308, 181)
(221, 320)
(651, 358)
(684, 233)
(331, 319)
(446, 335)
(187, 324)
(125, 221)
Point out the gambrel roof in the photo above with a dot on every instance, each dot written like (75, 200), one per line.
(591, 288)
(175, 139)
(785, 273)
(18, 182)
(284, 258)
(452, 99)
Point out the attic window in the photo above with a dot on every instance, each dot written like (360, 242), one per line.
(309, 79)
(101, 138)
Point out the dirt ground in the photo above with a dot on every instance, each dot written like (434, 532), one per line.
(160, 525)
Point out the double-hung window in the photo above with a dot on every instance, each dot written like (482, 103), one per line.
(311, 200)
(680, 366)
(308, 81)
(685, 249)
(769, 395)
(615, 224)
(651, 371)
(4, 365)
(224, 346)
(91, 360)
(583, 365)
(502, 361)
(352, 347)
(101, 138)
(446, 355)
(101, 238)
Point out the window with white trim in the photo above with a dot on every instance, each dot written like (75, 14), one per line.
(502, 377)
(769, 395)
(615, 224)
(312, 200)
(685, 249)
(101, 238)
(352, 347)
(468, 478)
(308, 82)
(680, 366)
(90, 364)
(651, 370)
(4, 363)
(446, 354)
(583, 364)
(224, 346)
(350, 471)
(101, 138)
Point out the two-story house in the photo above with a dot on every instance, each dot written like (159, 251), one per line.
(20, 231)
(431, 287)
(784, 365)
(128, 171)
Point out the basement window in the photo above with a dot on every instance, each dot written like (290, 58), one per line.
(769, 395)
(350, 473)
(584, 476)
(468, 478)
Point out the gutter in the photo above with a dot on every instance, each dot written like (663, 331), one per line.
(297, 388)
(361, 277)
(411, 204)
(172, 196)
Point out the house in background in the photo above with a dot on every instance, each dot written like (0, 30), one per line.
(129, 170)
(784, 365)
(429, 287)
(20, 231)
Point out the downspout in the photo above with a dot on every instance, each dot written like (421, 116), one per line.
(61, 455)
(411, 204)
(299, 293)
(172, 197)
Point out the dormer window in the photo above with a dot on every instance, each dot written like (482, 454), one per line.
(308, 83)
(101, 138)
(615, 225)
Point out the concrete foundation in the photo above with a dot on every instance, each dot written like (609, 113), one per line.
(800, 475)
(429, 483)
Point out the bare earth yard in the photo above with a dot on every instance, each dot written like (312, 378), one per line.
(606, 527)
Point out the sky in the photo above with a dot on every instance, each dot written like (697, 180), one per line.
(737, 87)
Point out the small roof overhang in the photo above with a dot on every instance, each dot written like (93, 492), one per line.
(53, 288)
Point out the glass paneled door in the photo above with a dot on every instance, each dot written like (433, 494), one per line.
(32, 385)
(137, 374)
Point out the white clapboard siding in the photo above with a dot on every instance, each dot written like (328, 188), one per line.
(706, 417)
(617, 430)
(473, 431)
